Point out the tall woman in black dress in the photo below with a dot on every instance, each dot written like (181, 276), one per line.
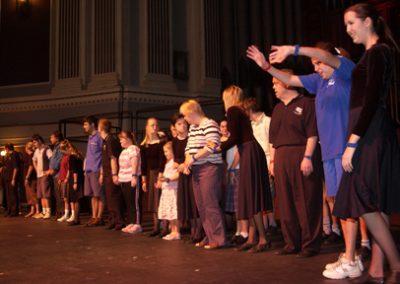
(370, 187)
(254, 196)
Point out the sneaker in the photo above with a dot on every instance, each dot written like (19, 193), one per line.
(38, 216)
(336, 263)
(71, 218)
(343, 269)
(135, 229)
(127, 228)
(63, 218)
(172, 237)
(47, 216)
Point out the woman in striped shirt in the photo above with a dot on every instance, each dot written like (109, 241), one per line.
(207, 172)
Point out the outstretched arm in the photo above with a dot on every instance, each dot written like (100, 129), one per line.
(258, 57)
(279, 53)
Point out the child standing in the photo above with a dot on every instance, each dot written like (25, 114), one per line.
(168, 209)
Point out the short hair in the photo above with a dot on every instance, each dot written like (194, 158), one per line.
(9, 146)
(29, 146)
(91, 120)
(105, 125)
(58, 135)
(37, 137)
(175, 117)
(191, 106)
(129, 135)
(251, 104)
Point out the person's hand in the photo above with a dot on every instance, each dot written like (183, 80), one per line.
(347, 159)
(101, 179)
(65, 181)
(186, 171)
(75, 186)
(257, 56)
(115, 180)
(189, 161)
(13, 183)
(271, 168)
(181, 168)
(158, 184)
(50, 172)
(280, 53)
(306, 167)
(176, 165)
(144, 187)
(133, 181)
(213, 146)
(26, 182)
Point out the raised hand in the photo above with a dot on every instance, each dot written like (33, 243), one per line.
(257, 56)
(279, 53)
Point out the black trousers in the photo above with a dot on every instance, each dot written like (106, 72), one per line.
(132, 197)
(12, 198)
(58, 198)
(299, 199)
(113, 201)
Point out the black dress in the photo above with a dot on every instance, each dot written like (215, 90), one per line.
(254, 194)
(187, 209)
(373, 185)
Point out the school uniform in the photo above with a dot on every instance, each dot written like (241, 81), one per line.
(299, 197)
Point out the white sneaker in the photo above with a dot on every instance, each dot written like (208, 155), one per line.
(63, 218)
(172, 237)
(135, 229)
(357, 258)
(38, 216)
(127, 228)
(71, 218)
(47, 216)
(343, 269)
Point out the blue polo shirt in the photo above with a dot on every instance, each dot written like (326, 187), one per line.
(332, 104)
(93, 153)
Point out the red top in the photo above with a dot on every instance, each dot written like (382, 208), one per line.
(64, 167)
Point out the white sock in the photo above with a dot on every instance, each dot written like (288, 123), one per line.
(244, 234)
(48, 210)
(326, 225)
(66, 212)
(366, 243)
(72, 214)
(336, 230)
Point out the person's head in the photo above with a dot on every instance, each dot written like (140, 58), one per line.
(179, 123)
(126, 139)
(151, 126)
(324, 70)
(104, 126)
(363, 21)
(90, 124)
(282, 91)
(37, 140)
(29, 149)
(65, 146)
(232, 95)
(168, 151)
(68, 148)
(223, 128)
(252, 108)
(56, 137)
(9, 147)
(192, 112)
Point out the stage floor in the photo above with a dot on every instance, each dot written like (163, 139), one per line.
(39, 251)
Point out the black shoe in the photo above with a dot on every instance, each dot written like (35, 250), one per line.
(365, 253)
(74, 223)
(240, 240)
(285, 252)
(244, 247)
(118, 227)
(163, 234)
(154, 234)
(325, 236)
(272, 230)
(306, 254)
(333, 238)
(260, 247)
(110, 226)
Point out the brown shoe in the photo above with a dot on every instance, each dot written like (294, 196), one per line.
(90, 222)
(98, 222)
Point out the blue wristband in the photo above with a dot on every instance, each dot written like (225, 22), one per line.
(194, 159)
(215, 149)
(308, 157)
(352, 145)
(296, 50)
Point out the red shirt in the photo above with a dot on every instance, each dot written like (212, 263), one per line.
(64, 167)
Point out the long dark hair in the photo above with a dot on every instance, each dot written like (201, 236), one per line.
(366, 10)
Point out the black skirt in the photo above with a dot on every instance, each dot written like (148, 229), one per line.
(254, 195)
(187, 209)
(374, 184)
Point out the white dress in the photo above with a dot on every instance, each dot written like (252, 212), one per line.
(168, 209)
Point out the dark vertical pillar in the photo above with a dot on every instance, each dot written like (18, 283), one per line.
(228, 50)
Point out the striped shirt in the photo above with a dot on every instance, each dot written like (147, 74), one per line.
(125, 165)
(199, 135)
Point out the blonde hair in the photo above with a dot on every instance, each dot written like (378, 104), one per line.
(67, 146)
(232, 95)
(191, 106)
(147, 137)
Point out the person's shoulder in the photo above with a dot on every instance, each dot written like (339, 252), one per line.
(379, 50)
